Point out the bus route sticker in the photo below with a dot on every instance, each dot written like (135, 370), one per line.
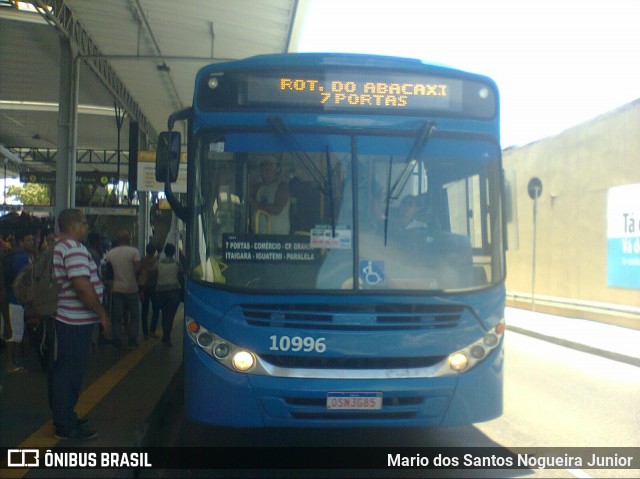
(323, 236)
(350, 401)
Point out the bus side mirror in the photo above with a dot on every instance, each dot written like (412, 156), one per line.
(168, 156)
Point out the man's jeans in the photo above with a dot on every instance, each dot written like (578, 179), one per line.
(121, 303)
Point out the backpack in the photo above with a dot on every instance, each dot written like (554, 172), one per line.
(36, 288)
(107, 273)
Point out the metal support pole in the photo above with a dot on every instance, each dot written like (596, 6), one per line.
(144, 207)
(533, 267)
(65, 183)
(120, 113)
(73, 140)
(534, 188)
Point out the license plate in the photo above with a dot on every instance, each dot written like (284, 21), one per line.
(354, 401)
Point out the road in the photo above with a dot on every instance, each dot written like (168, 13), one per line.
(560, 397)
(554, 397)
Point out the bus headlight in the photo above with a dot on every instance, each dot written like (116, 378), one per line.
(458, 361)
(490, 340)
(243, 361)
(477, 352)
(466, 358)
(224, 352)
(221, 350)
(205, 339)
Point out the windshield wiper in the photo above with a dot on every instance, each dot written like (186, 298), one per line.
(281, 129)
(386, 207)
(330, 193)
(412, 161)
(325, 185)
(410, 164)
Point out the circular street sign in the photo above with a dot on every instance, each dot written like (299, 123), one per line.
(534, 188)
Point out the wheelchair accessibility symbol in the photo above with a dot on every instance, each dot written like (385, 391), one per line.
(372, 272)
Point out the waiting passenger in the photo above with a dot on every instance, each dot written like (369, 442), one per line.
(147, 280)
(272, 197)
(168, 291)
(19, 259)
(125, 260)
(79, 308)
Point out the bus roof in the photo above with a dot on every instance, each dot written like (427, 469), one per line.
(339, 60)
(344, 83)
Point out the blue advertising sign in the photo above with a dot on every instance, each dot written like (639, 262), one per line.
(623, 236)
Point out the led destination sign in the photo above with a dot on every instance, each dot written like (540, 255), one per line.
(348, 91)
(365, 94)
(371, 91)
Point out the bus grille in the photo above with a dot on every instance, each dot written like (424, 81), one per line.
(351, 317)
(306, 362)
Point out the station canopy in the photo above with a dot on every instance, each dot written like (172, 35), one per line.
(137, 58)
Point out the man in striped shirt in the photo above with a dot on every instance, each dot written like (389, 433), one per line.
(79, 309)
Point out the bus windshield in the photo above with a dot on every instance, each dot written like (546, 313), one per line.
(311, 210)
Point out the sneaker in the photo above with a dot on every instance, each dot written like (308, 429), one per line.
(17, 369)
(78, 434)
(133, 345)
(80, 422)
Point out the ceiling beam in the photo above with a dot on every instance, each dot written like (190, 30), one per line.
(58, 14)
(143, 21)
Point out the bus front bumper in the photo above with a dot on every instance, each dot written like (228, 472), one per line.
(215, 395)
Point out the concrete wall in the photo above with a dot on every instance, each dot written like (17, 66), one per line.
(577, 168)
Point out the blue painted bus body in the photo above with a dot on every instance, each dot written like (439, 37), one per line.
(215, 395)
(389, 342)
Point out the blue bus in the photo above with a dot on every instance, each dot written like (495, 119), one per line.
(344, 243)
